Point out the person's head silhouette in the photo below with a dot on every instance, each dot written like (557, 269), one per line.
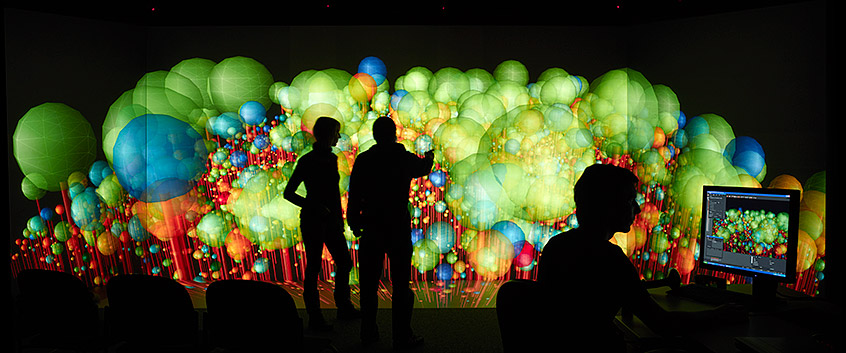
(327, 131)
(384, 130)
(605, 198)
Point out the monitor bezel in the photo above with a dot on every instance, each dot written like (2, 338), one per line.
(792, 239)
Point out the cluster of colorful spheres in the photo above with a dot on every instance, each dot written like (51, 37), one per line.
(195, 152)
(755, 232)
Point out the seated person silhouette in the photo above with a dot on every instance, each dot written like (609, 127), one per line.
(589, 279)
(321, 222)
(378, 212)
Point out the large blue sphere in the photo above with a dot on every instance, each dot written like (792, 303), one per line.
(443, 234)
(374, 67)
(513, 232)
(157, 157)
(252, 112)
(745, 152)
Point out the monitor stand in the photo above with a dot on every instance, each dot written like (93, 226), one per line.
(764, 293)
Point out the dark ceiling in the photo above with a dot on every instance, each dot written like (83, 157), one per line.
(397, 12)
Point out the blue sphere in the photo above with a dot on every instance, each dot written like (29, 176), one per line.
(745, 152)
(261, 265)
(46, 213)
(680, 139)
(35, 224)
(96, 173)
(513, 232)
(697, 126)
(423, 143)
(85, 210)
(261, 142)
(443, 234)
(238, 159)
(136, 229)
(443, 272)
(416, 235)
(158, 157)
(438, 178)
(220, 157)
(252, 113)
(374, 67)
(225, 125)
(396, 97)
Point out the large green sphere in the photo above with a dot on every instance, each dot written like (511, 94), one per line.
(52, 141)
(236, 80)
(513, 71)
(197, 70)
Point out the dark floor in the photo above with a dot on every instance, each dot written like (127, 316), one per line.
(463, 330)
(449, 318)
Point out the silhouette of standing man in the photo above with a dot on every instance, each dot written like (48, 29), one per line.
(378, 212)
(590, 279)
(321, 221)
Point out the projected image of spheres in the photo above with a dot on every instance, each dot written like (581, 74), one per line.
(157, 157)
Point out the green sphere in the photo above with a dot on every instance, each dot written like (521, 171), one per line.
(238, 79)
(52, 141)
(31, 191)
(197, 70)
(513, 71)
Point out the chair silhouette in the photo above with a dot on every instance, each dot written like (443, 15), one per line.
(55, 310)
(513, 301)
(525, 303)
(150, 313)
(554, 320)
(250, 316)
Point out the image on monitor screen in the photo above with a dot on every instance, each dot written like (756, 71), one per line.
(750, 231)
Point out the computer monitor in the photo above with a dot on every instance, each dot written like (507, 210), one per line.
(751, 232)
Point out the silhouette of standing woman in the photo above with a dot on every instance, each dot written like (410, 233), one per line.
(321, 222)
(378, 212)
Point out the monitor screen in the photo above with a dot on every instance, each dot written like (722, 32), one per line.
(750, 231)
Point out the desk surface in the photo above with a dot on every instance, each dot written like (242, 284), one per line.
(793, 320)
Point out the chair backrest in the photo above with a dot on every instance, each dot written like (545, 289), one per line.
(517, 302)
(265, 312)
(141, 305)
(555, 319)
(58, 296)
